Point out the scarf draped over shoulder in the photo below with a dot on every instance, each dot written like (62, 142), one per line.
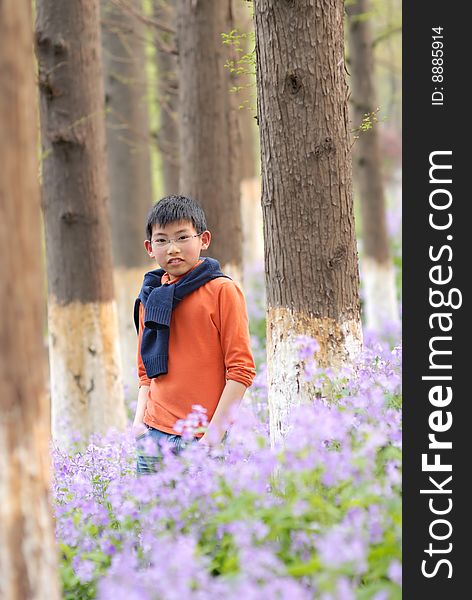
(159, 300)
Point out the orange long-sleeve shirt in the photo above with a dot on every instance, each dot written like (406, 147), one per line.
(208, 344)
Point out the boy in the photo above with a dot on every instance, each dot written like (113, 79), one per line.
(193, 338)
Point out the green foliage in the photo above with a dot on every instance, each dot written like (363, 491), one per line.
(241, 64)
(246, 61)
(368, 122)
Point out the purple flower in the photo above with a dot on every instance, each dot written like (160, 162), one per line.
(395, 572)
(341, 546)
(84, 569)
(247, 511)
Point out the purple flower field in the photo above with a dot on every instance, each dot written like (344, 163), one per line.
(317, 519)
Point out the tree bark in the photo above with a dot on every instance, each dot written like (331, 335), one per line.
(376, 264)
(168, 96)
(28, 563)
(208, 127)
(310, 246)
(86, 384)
(129, 167)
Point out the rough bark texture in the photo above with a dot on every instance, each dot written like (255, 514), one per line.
(129, 168)
(378, 272)
(28, 554)
(75, 191)
(168, 96)
(310, 247)
(75, 202)
(208, 142)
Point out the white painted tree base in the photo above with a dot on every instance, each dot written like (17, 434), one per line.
(381, 304)
(28, 549)
(340, 344)
(84, 359)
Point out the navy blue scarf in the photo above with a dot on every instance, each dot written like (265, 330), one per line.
(159, 300)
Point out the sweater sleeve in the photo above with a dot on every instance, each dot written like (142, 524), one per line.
(142, 375)
(234, 335)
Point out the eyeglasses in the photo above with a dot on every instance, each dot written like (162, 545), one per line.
(180, 241)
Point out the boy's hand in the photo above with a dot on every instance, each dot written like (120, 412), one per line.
(138, 424)
(139, 429)
(210, 441)
(204, 441)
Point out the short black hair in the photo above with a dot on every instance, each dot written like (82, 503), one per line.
(172, 209)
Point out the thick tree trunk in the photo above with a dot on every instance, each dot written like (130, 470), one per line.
(28, 559)
(86, 384)
(310, 247)
(129, 168)
(209, 169)
(168, 96)
(376, 265)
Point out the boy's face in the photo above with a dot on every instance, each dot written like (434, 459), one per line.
(183, 253)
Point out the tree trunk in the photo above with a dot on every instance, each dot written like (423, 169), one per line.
(129, 168)
(253, 245)
(246, 95)
(209, 169)
(168, 96)
(128, 136)
(86, 385)
(377, 267)
(310, 247)
(28, 559)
